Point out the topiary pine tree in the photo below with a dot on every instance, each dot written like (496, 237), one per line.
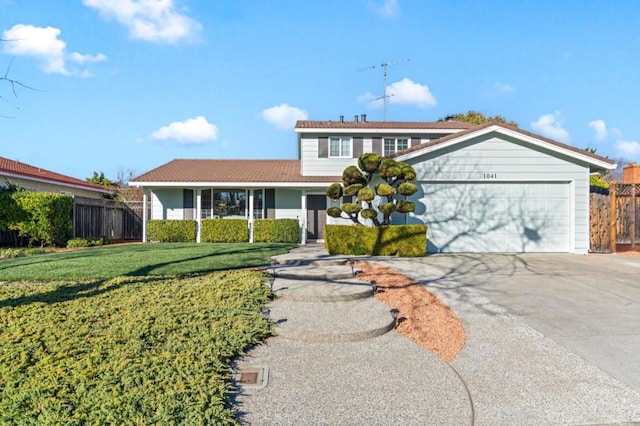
(374, 176)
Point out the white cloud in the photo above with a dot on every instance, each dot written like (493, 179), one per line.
(549, 125)
(386, 8)
(499, 89)
(627, 149)
(283, 116)
(157, 21)
(403, 92)
(43, 44)
(600, 128)
(189, 132)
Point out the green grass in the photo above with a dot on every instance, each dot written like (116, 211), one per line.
(128, 334)
(127, 350)
(162, 259)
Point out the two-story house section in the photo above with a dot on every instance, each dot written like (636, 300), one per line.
(483, 188)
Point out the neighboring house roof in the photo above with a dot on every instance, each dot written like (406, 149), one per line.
(597, 162)
(16, 169)
(388, 128)
(203, 171)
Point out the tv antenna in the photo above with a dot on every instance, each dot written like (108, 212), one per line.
(384, 96)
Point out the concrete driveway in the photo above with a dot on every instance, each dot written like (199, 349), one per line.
(587, 304)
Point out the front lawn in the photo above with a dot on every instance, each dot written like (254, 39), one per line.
(162, 259)
(130, 334)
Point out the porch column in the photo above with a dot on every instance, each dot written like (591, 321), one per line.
(251, 215)
(303, 218)
(145, 200)
(198, 213)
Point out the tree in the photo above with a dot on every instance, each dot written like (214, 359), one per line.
(373, 177)
(477, 117)
(100, 179)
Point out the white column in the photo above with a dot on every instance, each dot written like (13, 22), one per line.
(145, 200)
(303, 218)
(198, 213)
(251, 215)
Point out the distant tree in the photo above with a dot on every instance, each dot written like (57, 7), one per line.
(100, 179)
(477, 117)
(13, 84)
(374, 176)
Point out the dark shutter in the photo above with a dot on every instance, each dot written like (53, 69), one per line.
(323, 147)
(415, 141)
(357, 147)
(187, 204)
(377, 145)
(270, 202)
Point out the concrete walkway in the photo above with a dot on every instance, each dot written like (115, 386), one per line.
(333, 363)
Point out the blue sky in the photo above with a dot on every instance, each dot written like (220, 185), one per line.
(127, 85)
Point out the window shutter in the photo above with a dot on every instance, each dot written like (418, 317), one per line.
(270, 202)
(377, 145)
(323, 147)
(357, 147)
(415, 141)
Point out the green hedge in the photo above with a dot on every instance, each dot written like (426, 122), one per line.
(224, 231)
(276, 231)
(43, 217)
(392, 240)
(172, 231)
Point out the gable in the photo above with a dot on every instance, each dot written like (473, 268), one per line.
(525, 139)
(495, 157)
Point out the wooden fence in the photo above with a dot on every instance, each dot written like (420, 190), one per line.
(116, 220)
(615, 218)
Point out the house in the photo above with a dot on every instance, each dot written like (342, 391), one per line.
(482, 188)
(42, 180)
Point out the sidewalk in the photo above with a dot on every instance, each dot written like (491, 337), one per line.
(326, 367)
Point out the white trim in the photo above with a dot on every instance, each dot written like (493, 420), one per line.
(303, 217)
(250, 215)
(572, 216)
(145, 201)
(511, 133)
(198, 215)
(369, 131)
(234, 185)
(54, 182)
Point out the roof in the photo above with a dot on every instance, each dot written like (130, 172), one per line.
(585, 155)
(408, 125)
(17, 169)
(230, 171)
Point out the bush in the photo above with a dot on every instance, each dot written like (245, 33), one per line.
(172, 231)
(392, 240)
(12, 253)
(47, 217)
(276, 231)
(224, 231)
(78, 242)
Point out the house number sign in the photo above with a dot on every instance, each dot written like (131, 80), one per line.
(490, 175)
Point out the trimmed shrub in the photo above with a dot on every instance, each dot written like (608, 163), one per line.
(47, 217)
(78, 242)
(12, 253)
(276, 231)
(224, 231)
(392, 240)
(172, 231)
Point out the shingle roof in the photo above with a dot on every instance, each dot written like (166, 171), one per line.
(475, 128)
(249, 171)
(30, 172)
(418, 125)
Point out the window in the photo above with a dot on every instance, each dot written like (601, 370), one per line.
(393, 145)
(340, 147)
(229, 203)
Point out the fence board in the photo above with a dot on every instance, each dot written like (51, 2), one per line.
(615, 218)
(600, 219)
(96, 218)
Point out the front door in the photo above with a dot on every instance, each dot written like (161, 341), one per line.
(316, 216)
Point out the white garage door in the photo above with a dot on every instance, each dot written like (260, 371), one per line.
(502, 217)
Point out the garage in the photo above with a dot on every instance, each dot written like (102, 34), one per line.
(499, 189)
(497, 217)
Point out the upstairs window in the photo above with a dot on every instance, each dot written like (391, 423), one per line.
(340, 147)
(393, 145)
